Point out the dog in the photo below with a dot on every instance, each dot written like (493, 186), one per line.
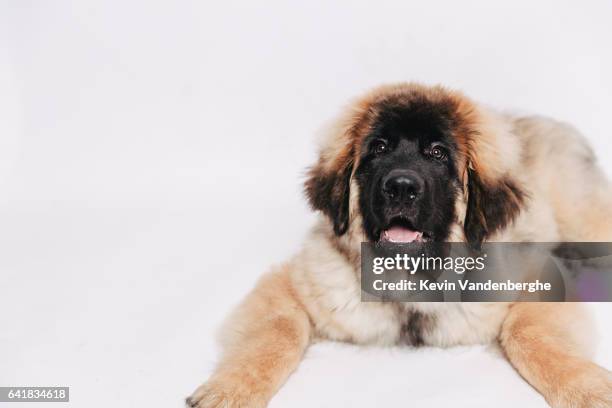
(405, 163)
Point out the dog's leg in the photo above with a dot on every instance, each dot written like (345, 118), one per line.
(546, 342)
(264, 341)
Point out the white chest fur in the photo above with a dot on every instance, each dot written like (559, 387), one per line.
(328, 285)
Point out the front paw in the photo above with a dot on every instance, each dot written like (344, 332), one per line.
(226, 394)
(588, 388)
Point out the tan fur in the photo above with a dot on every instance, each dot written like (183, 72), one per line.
(317, 294)
(545, 343)
(263, 343)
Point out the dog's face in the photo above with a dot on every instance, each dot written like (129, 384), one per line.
(407, 177)
(405, 157)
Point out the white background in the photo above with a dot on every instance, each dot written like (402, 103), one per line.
(151, 161)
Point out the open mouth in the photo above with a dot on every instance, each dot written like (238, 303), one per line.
(400, 230)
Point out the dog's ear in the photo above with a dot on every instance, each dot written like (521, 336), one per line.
(328, 190)
(490, 206)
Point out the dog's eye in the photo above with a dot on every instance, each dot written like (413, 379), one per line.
(438, 153)
(379, 146)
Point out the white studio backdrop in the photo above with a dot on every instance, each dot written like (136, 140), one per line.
(151, 161)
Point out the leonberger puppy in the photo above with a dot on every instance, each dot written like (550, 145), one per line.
(409, 163)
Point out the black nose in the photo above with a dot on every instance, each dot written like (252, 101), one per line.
(402, 186)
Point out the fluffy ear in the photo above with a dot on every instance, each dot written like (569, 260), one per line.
(490, 207)
(327, 190)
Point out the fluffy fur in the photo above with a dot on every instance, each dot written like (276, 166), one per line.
(517, 179)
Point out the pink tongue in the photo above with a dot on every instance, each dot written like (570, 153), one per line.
(400, 234)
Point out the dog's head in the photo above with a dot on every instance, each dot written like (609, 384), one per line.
(411, 163)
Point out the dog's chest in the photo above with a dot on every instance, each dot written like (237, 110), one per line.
(329, 288)
(449, 324)
(415, 324)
